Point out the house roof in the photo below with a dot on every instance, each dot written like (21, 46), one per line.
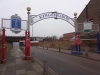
(69, 33)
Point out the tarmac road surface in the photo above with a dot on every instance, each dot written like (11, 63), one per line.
(64, 64)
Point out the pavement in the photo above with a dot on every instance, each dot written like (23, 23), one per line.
(92, 56)
(16, 65)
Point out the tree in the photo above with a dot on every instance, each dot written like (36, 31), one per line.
(54, 38)
(61, 38)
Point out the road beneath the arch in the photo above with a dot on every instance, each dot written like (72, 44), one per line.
(64, 64)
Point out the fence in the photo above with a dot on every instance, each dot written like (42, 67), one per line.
(56, 44)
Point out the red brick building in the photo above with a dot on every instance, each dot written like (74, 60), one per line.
(92, 11)
(68, 36)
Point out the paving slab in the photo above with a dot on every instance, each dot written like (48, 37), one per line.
(16, 65)
(31, 73)
(22, 71)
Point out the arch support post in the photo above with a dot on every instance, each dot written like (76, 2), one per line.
(27, 46)
(77, 38)
(27, 39)
(3, 56)
(78, 44)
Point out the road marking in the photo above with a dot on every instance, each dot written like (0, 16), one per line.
(42, 52)
(49, 69)
(58, 58)
(77, 65)
(74, 64)
(89, 69)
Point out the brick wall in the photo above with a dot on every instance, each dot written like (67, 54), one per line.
(90, 45)
(56, 44)
(93, 12)
(34, 44)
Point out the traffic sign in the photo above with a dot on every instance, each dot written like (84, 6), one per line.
(15, 23)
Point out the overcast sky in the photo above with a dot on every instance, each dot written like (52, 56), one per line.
(47, 27)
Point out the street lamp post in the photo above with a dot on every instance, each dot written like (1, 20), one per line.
(27, 35)
(28, 9)
(75, 22)
(77, 37)
(76, 30)
(32, 32)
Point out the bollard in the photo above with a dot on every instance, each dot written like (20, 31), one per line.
(43, 47)
(47, 48)
(86, 52)
(45, 68)
(59, 49)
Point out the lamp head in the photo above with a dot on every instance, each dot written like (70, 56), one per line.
(28, 9)
(75, 14)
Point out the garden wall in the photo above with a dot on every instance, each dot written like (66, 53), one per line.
(90, 45)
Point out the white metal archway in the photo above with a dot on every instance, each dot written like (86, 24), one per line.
(55, 15)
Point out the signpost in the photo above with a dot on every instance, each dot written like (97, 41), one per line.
(87, 27)
(15, 23)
